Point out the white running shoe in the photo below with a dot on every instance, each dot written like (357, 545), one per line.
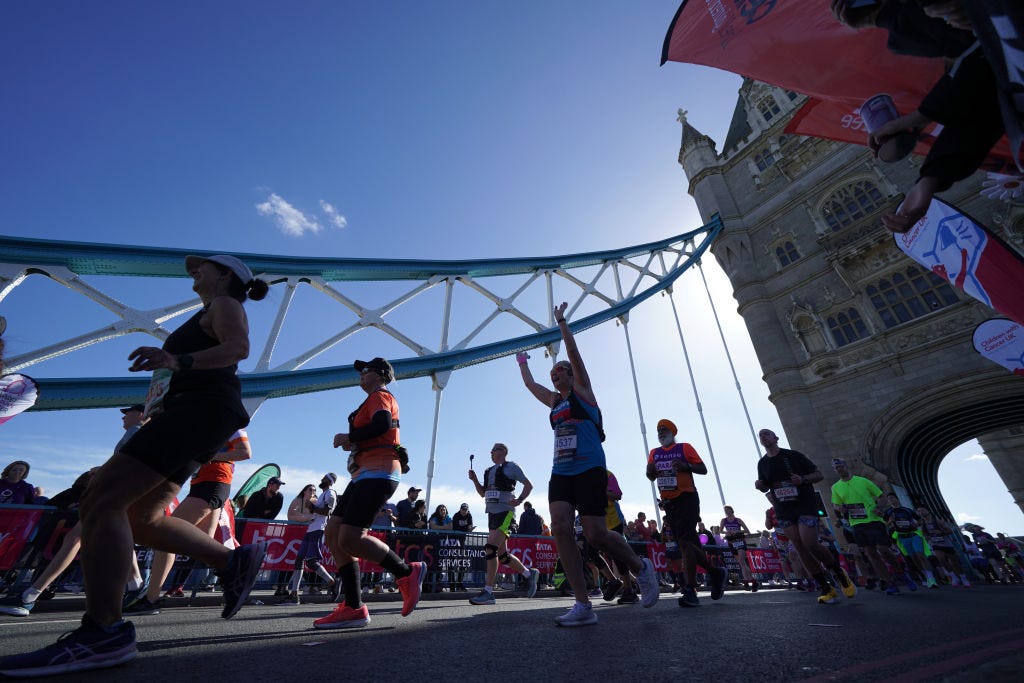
(648, 580)
(581, 614)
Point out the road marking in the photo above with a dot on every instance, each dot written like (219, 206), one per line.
(36, 621)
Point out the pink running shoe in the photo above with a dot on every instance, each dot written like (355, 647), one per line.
(411, 586)
(344, 616)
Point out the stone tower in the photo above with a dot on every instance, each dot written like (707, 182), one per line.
(867, 355)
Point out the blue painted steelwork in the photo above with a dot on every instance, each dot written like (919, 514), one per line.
(103, 259)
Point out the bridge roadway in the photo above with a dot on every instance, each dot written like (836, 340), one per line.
(974, 634)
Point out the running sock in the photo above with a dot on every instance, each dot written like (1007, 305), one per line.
(30, 595)
(489, 589)
(134, 584)
(526, 573)
(349, 575)
(394, 564)
(293, 585)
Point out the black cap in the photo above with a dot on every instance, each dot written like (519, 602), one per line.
(413, 489)
(138, 406)
(383, 368)
(274, 480)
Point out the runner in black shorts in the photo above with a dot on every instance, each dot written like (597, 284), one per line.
(579, 480)
(498, 491)
(376, 465)
(194, 375)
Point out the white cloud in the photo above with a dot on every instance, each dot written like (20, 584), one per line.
(289, 220)
(336, 218)
(976, 456)
(963, 517)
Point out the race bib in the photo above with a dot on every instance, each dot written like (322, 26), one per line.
(667, 482)
(158, 387)
(857, 511)
(671, 545)
(904, 524)
(739, 544)
(492, 495)
(784, 493)
(565, 443)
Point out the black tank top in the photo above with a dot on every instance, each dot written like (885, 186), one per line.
(190, 338)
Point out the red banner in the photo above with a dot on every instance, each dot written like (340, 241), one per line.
(534, 553)
(800, 46)
(16, 528)
(1002, 342)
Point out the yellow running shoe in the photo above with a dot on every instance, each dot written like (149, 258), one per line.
(828, 597)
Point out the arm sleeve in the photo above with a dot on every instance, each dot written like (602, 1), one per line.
(379, 423)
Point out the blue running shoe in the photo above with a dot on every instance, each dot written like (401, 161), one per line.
(88, 647)
(910, 583)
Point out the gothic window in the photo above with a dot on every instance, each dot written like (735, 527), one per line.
(909, 294)
(851, 203)
(847, 327)
(768, 107)
(786, 253)
(764, 159)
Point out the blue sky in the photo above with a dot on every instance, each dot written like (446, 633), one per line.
(391, 130)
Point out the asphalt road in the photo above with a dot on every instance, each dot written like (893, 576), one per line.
(774, 635)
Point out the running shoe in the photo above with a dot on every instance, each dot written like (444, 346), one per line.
(849, 587)
(611, 589)
(629, 598)
(828, 596)
(531, 583)
(689, 598)
(240, 576)
(15, 605)
(717, 581)
(910, 583)
(143, 607)
(344, 616)
(594, 592)
(290, 599)
(411, 586)
(48, 593)
(648, 578)
(754, 586)
(482, 598)
(581, 614)
(133, 596)
(932, 583)
(88, 647)
(893, 589)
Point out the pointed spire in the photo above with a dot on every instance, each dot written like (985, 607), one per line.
(690, 134)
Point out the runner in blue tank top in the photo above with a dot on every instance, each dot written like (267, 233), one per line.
(579, 480)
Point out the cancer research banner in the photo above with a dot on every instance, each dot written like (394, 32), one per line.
(16, 528)
(17, 393)
(959, 249)
(1001, 341)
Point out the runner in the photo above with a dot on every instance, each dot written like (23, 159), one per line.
(200, 406)
(500, 502)
(857, 499)
(673, 465)
(787, 477)
(905, 526)
(209, 489)
(376, 462)
(735, 530)
(621, 579)
(579, 480)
